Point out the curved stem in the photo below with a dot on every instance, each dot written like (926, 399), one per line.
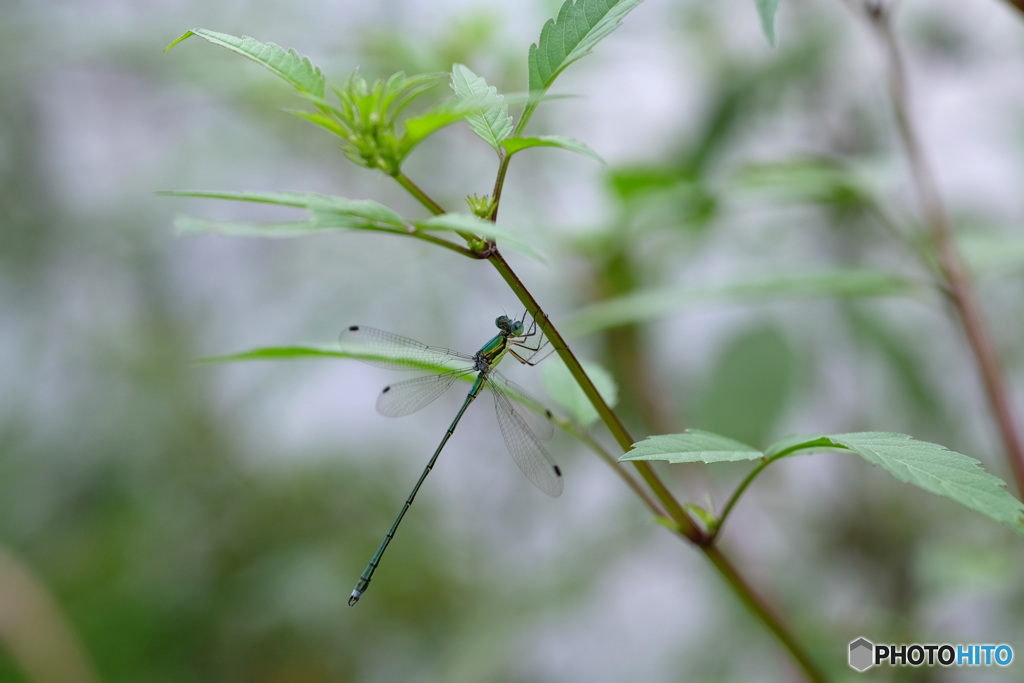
(717, 526)
(458, 249)
(951, 263)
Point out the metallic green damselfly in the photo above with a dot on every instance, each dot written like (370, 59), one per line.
(522, 419)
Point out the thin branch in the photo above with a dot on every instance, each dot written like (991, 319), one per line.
(675, 510)
(419, 194)
(499, 183)
(950, 261)
(717, 526)
(433, 239)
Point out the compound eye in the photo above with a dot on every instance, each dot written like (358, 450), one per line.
(502, 322)
(517, 328)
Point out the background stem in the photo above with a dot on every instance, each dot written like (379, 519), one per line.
(951, 264)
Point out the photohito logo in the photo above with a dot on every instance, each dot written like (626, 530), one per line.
(864, 654)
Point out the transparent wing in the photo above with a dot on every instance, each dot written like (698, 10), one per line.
(392, 351)
(527, 406)
(525, 447)
(405, 398)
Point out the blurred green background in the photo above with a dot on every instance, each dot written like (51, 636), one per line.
(163, 521)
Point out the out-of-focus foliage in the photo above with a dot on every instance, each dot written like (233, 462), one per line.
(200, 522)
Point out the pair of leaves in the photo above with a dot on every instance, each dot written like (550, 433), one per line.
(493, 123)
(572, 34)
(926, 465)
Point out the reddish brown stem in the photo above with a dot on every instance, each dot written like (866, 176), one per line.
(950, 262)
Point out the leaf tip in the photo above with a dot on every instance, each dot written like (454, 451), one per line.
(180, 38)
(766, 9)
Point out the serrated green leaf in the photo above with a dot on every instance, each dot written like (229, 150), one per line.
(298, 71)
(562, 387)
(929, 466)
(766, 9)
(648, 305)
(693, 445)
(494, 123)
(468, 223)
(579, 26)
(513, 145)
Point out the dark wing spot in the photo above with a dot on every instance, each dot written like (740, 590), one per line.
(548, 415)
(558, 471)
(386, 389)
(353, 328)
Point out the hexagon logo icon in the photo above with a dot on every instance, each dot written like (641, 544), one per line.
(862, 654)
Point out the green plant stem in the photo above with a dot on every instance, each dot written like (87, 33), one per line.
(419, 194)
(499, 182)
(951, 263)
(433, 239)
(675, 510)
(717, 527)
(766, 615)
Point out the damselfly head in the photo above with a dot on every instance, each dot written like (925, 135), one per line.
(503, 323)
(517, 328)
